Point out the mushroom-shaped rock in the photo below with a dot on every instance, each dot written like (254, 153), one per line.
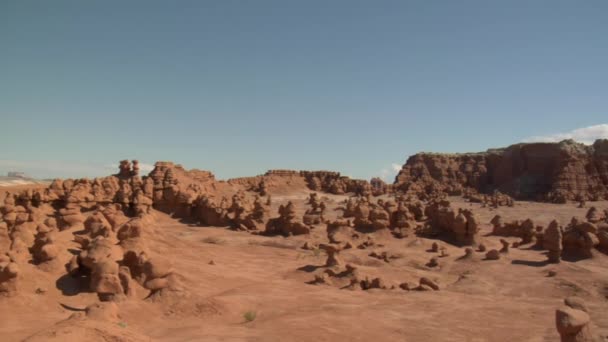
(71, 217)
(339, 231)
(98, 250)
(105, 280)
(460, 224)
(580, 239)
(115, 216)
(48, 252)
(493, 254)
(576, 303)
(97, 224)
(527, 230)
(8, 276)
(44, 248)
(497, 224)
(332, 251)
(593, 215)
(469, 253)
(131, 230)
(505, 246)
(157, 268)
(286, 224)
(375, 283)
(156, 273)
(573, 325)
(552, 241)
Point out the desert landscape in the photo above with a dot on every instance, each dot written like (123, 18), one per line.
(505, 245)
(304, 171)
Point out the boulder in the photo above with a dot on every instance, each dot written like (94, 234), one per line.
(573, 323)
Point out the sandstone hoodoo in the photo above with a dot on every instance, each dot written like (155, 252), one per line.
(403, 171)
(552, 241)
(460, 226)
(9, 271)
(286, 224)
(553, 172)
(573, 321)
(131, 244)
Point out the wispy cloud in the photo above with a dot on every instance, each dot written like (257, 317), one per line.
(62, 169)
(387, 174)
(585, 135)
(143, 167)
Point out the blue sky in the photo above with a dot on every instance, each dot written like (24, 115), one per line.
(239, 87)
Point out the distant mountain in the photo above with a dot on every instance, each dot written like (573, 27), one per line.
(12, 181)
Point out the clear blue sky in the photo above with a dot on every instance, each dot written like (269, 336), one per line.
(239, 87)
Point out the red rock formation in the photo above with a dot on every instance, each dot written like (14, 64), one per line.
(553, 172)
(524, 229)
(462, 227)
(379, 187)
(323, 181)
(8, 275)
(552, 241)
(573, 322)
(333, 182)
(286, 224)
(580, 239)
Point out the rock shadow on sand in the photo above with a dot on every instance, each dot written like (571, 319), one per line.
(530, 263)
(73, 285)
(310, 268)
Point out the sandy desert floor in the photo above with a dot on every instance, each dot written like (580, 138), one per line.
(226, 274)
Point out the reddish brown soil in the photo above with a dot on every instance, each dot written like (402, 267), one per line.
(511, 299)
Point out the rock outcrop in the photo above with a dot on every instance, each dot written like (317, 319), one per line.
(9, 271)
(286, 224)
(314, 215)
(552, 241)
(461, 226)
(523, 229)
(580, 239)
(573, 322)
(553, 172)
(100, 261)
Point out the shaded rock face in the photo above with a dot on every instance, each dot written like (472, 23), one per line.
(8, 275)
(523, 229)
(580, 238)
(573, 322)
(71, 197)
(460, 226)
(379, 187)
(193, 195)
(552, 241)
(286, 224)
(333, 182)
(553, 172)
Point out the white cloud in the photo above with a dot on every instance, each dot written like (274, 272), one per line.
(585, 135)
(384, 174)
(143, 167)
(388, 174)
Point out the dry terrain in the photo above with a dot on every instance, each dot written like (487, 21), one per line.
(237, 286)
